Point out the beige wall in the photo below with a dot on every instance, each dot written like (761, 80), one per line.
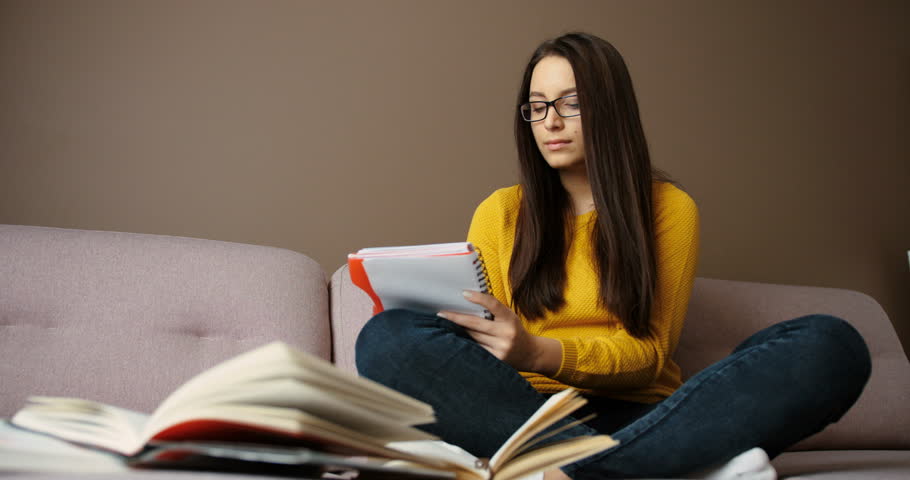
(326, 126)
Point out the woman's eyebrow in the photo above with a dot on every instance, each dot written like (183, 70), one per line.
(561, 94)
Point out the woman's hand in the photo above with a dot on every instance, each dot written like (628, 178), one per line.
(506, 338)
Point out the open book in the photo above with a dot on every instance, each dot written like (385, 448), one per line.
(425, 278)
(272, 395)
(275, 403)
(524, 453)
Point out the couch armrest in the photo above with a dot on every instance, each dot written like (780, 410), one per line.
(722, 313)
(351, 309)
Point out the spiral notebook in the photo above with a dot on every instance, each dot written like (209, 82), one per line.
(425, 278)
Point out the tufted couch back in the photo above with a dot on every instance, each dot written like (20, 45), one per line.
(125, 318)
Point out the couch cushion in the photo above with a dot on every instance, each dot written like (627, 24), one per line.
(125, 318)
(844, 465)
(722, 313)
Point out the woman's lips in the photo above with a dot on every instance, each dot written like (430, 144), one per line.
(553, 146)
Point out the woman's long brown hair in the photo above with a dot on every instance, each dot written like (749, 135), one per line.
(620, 173)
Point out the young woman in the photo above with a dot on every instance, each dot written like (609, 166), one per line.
(592, 260)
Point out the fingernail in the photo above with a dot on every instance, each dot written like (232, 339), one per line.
(467, 294)
(440, 314)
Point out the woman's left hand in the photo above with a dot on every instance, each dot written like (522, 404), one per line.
(506, 338)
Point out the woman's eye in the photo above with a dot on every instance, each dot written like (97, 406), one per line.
(569, 108)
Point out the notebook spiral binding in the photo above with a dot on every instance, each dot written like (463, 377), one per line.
(483, 279)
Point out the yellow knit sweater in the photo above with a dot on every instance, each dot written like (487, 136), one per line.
(598, 355)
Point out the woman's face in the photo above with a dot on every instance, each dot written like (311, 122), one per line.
(559, 139)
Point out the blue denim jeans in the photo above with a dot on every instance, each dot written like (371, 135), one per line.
(779, 386)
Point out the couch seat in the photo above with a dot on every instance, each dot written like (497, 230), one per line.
(844, 465)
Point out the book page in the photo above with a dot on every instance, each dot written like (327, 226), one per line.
(553, 455)
(554, 409)
(288, 393)
(250, 424)
(425, 284)
(411, 250)
(452, 455)
(26, 451)
(83, 421)
(459, 460)
(277, 361)
(228, 374)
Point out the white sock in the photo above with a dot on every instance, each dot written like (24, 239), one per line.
(752, 464)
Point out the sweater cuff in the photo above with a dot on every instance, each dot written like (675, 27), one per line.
(569, 361)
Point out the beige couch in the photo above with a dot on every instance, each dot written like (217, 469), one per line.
(125, 318)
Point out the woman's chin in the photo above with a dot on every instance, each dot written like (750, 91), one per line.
(566, 165)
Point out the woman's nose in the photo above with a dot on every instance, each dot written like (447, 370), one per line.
(553, 120)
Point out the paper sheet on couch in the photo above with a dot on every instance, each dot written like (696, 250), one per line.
(25, 451)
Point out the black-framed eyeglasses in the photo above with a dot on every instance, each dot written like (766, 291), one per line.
(536, 111)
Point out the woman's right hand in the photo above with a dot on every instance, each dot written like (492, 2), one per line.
(506, 338)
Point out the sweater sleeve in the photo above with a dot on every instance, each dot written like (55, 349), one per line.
(618, 361)
(486, 234)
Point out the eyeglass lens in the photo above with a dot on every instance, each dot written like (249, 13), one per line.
(565, 107)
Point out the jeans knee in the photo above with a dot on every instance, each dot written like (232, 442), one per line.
(838, 342)
(388, 341)
(377, 337)
(841, 359)
(388, 323)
